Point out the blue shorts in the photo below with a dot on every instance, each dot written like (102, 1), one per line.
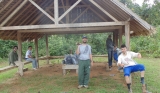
(135, 68)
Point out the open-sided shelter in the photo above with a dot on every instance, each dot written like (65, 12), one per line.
(24, 20)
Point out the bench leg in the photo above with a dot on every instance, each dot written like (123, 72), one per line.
(64, 71)
(76, 71)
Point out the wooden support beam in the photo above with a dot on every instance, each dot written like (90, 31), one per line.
(19, 46)
(63, 25)
(71, 29)
(47, 51)
(68, 6)
(37, 18)
(104, 11)
(14, 12)
(114, 38)
(127, 35)
(69, 9)
(36, 51)
(44, 12)
(80, 15)
(56, 12)
(120, 37)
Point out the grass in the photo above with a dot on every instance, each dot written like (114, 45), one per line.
(68, 84)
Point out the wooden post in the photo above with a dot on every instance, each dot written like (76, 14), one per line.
(36, 51)
(114, 37)
(19, 46)
(47, 51)
(127, 35)
(56, 10)
(120, 37)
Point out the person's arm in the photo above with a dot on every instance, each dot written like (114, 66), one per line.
(120, 62)
(133, 54)
(77, 51)
(139, 55)
(28, 54)
(11, 57)
(91, 58)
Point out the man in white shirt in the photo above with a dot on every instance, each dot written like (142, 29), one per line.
(125, 60)
(29, 58)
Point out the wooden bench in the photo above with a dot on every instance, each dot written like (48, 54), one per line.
(12, 67)
(66, 66)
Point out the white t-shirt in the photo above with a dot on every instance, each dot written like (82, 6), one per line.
(127, 59)
(28, 53)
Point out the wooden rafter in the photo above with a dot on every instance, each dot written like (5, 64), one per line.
(95, 12)
(15, 18)
(63, 5)
(37, 18)
(44, 12)
(6, 5)
(80, 15)
(64, 14)
(12, 14)
(104, 11)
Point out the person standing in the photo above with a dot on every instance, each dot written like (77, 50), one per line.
(109, 45)
(126, 61)
(13, 56)
(85, 61)
(29, 58)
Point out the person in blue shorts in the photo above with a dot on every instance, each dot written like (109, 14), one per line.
(126, 61)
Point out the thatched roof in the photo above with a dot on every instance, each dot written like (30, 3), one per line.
(28, 15)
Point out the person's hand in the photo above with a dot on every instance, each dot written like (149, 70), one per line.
(122, 65)
(91, 63)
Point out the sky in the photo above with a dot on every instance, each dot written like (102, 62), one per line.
(141, 1)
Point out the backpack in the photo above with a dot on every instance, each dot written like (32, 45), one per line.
(69, 60)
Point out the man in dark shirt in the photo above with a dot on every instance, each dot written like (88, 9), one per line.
(109, 45)
(13, 56)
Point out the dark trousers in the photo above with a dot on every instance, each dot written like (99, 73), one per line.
(110, 54)
(84, 72)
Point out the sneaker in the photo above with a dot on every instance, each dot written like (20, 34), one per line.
(80, 86)
(86, 86)
(130, 91)
(34, 69)
(144, 89)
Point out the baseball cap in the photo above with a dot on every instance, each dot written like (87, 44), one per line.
(84, 37)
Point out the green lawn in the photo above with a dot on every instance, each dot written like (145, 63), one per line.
(68, 84)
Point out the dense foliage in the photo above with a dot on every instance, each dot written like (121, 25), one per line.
(61, 44)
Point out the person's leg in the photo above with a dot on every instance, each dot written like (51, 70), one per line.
(86, 72)
(127, 71)
(141, 68)
(33, 62)
(81, 72)
(109, 58)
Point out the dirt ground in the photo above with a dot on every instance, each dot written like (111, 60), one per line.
(99, 69)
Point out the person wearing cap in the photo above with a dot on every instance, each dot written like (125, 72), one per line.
(109, 45)
(85, 60)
